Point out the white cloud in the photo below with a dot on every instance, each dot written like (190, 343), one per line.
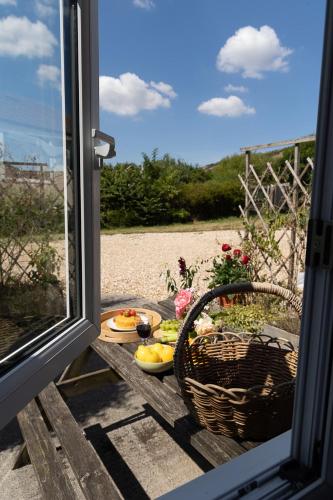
(164, 88)
(49, 74)
(128, 95)
(231, 106)
(45, 8)
(235, 88)
(144, 4)
(253, 51)
(8, 2)
(21, 37)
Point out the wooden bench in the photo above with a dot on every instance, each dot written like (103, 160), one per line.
(91, 475)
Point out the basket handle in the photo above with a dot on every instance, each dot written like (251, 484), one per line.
(233, 288)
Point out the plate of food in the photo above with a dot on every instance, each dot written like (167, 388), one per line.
(109, 333)
(126, 320)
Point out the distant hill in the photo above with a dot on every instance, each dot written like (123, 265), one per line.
(228, 168)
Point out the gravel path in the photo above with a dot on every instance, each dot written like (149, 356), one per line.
(132, 263)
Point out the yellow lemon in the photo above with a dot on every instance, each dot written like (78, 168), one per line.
(141, 351)
(152, 357)
(167, 354)
(147, 355)
(157, 348)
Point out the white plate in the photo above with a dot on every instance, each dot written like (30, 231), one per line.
(112, 324)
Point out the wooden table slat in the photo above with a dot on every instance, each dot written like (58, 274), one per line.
(88, 468)
(53, 481)
(216, 449)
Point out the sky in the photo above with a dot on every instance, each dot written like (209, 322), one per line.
(30, 88)
(199, 79)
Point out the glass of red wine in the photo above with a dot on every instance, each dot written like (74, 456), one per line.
(144, 328)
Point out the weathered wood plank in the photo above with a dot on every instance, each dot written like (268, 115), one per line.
(169, 305)
(298, 140)
(161, 309)
(53, 481)
(216, 449)
(273, 331)
(88, 468)
(171, 382)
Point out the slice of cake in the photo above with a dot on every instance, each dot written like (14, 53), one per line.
(127, 319)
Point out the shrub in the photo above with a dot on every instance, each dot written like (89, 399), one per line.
(211, 199)
(251, 318)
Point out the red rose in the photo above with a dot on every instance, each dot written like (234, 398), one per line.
(245, 259)
(237, 252)
(228, 257)
(225, 247)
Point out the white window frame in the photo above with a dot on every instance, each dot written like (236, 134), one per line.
(299, 463)
(27, 379)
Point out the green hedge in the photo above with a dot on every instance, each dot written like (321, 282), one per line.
(212, 199)
(165, 190)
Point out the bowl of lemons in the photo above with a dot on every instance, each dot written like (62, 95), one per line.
(156, 358)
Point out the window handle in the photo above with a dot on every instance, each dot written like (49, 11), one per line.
(105, 150)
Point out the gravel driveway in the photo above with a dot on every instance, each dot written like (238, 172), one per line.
(132, 263)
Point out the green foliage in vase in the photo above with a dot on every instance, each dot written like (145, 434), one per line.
(251, 318)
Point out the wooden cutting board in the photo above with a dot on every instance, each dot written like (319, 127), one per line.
(110, 335)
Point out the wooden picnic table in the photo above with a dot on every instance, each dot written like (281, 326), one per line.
(162, 392)
(50, 412)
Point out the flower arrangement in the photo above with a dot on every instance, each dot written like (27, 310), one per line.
(183, 300)
(233, 266)
(229, 267)
(186, 275)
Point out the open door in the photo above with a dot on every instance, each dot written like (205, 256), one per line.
(49, 191)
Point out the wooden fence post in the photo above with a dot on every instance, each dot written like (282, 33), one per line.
(293, 260)
(247, 172)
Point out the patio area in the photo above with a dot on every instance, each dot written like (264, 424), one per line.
(137, 424)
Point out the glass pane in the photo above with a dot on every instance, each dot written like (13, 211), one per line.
(38, 219)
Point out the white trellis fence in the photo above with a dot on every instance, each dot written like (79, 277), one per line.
(275, 211)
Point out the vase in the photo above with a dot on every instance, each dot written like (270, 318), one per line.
(231, 300)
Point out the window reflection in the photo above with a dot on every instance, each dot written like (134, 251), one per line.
(37, 265)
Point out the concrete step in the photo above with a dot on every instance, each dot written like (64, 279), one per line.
(20, 484)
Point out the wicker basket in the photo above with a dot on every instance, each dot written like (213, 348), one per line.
(239, 385)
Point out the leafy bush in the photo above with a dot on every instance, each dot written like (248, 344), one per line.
(26, 211)
(212, 199)
(28, 218)
(165, 190)
(148, 194)
(251, 318)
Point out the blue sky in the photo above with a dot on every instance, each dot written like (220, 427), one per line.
(30, 98)
(194, 78)
(177, 42)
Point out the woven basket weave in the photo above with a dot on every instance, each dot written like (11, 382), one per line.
(239, 385)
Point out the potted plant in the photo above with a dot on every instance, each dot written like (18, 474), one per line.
(232, 266)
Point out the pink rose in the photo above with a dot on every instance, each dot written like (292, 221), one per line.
(237, 252)
(182, 300)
